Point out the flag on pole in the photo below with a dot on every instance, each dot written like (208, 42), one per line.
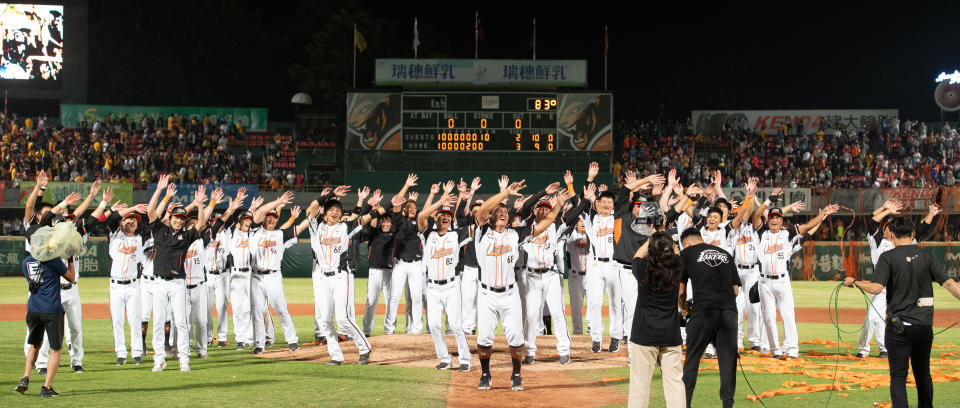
(479, 27)
(416, 38)
(533, 41)
(358, 39)
(606, 42)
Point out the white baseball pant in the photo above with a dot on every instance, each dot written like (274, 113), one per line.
(777, 294)
(268, 288)
(446, 299)
(171, 295)
(147, 287)
(240, 300)
(218, 291)
(197, 318)
(749, 311)
(412, 274)
(499, 306)
(334, 293)
(378, 281)
(469, 285)
(603, 277)
(521, 277)
(628, 293)
(875, 323)
(578, 289)
(125, 300)
(545, 289)
(73, 330)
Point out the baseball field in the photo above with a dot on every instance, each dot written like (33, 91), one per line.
(400, 373)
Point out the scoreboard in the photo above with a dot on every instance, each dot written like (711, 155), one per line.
(480, 121)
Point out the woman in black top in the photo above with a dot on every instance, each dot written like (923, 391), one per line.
(655, 336)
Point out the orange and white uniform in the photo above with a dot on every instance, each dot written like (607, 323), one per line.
(126, 252)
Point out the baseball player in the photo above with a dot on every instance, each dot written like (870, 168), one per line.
(743, 240)
(442, 251)
(172, 242)
(468, 267)
(126, 250)
(269, 244)
(408, 269)
(320, 328)
(196, 297)
(329, 238)
(238, 246)
(578, 252)
(776, 246)
(603, 273)
(147, 288)
(497, 252)
(380, 241)
(218, 282)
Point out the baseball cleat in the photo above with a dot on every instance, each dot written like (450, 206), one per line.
(322, 340)
(267, 344)
(168, 349)
(883, 354)
(709, 356)
(77, 369)
(565, 359)
(624, 340)
(364, 358)
(120, 361)
(368, 334)
(137, 361)
(443, 366)
(221, 344)
(48, 392)
(294, 346)
(755, 348)
(614, 345)
(42, 371)
(184, 366)
(485, 381)
(334, 362)
(240, 345)
(23, 385)
(202, 355)
(528, 360)
(159, 366)
(516, 383)
(257, 350)
(861, 355)
(777, 356)
(464, 368)
(595, 347)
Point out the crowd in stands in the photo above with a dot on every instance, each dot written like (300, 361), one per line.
(119, 149)
(887, 154)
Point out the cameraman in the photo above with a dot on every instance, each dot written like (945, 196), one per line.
(907, 272)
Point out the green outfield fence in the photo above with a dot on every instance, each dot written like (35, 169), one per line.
(817, 261)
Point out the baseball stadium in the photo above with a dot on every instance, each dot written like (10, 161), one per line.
(332, 203)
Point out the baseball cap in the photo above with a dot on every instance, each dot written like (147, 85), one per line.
(446, 210)
(193, 215)
(273, 213)
(246, 214)
(544, 203)
(775, 212)
(216, 216)
(178, 212)
(134, 215)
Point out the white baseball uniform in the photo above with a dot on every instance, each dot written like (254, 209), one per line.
(239, 246)
(126, 252)
(744, 241)
(218, 287)
(441, 253)
(578, 250)
(147, 285)
(267, 283)
(543, 287)
(329, 242)
(776, 293)
(499, 297)
(603, 274)
(196, 298)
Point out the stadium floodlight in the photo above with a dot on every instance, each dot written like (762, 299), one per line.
(954, 78)
(303, 99)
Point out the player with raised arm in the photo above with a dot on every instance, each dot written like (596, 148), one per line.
(126, 250)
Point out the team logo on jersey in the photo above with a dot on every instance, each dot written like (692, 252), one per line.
(127, 249)
(540, 239)
(330, 240)
(744, 240)
(243, 243)
(713, 258)
(582, 243)
(772, 249)
(192, 253)
(604, 232)
(497, 250)
(268, 243)
(441, 253)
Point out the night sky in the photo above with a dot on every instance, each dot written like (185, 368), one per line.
(678, 57)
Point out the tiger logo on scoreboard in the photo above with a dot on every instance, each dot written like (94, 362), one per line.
(373, 119)
(587, 121)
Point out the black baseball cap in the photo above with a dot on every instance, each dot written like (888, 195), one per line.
(446, 210)
(246, 214)
(178, 212)
(775, 212)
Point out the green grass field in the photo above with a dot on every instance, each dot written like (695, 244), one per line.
(237, 379)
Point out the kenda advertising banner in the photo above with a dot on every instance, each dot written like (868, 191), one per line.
(710, 123)
(469, 72)
(58, 190)
(185, 193)
(249, 118)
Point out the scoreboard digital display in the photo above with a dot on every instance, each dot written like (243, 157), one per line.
(480, 121)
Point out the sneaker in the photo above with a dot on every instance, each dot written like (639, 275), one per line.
(202, 355)
(22, 386)
(48, 392)
(565, 359)
(464, 368)
(77, 369)
(184, 366)
(42, 371)
(473, 332)
(777, 356)
(861, 355)
(257, 350)
(364, 358)
(240, 346)
(485, 381)
(294, 346)
(267, 344)
(755, 348)
(516, 383)
(443, 366)
(883, 354)
(120, 361)
(334, 362)
(137, 361)
(623, 340)
(168, 349)
(596, 347)
(528, 360)
(221, 344)
(709, 356)
(614, 345)
(159, 366)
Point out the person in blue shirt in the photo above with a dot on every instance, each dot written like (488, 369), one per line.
(44, 315)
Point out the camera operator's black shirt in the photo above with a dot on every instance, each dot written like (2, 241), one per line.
(908, 273)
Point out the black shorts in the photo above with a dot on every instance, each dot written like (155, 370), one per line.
(50, 323)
